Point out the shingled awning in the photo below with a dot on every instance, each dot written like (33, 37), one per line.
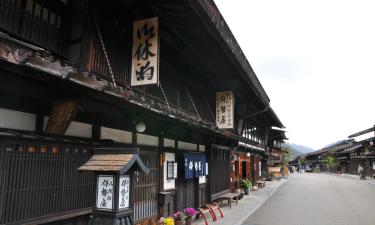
(118, 160)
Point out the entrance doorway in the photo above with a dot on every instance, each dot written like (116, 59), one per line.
(244, 169)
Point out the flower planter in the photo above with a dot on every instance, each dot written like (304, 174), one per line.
(189, 220)
(246, 191)
(179, 222)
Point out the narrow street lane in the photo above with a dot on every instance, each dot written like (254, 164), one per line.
(318, 199)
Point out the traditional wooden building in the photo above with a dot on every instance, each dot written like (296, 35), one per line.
(317, 159)
(250, 160)
(277, 154)
(362, 153)
(166, 78)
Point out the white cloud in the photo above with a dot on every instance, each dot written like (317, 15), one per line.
(315, 60)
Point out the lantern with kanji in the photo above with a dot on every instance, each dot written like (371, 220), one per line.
(114, 168)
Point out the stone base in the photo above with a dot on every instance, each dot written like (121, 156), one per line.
(99, 220)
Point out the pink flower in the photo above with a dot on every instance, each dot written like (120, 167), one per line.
(179, 216)
(190, 211)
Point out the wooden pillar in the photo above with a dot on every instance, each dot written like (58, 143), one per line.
(96, 129)
(39, 123)
(161, 160)
(209, 178)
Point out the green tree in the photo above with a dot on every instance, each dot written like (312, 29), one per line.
(287, 155)
(330, 161)
(302, 161)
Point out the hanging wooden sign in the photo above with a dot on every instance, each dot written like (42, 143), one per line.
(145, 53)
(224, 109)
(61, 116)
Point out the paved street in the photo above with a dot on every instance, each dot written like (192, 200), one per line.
(318, 199)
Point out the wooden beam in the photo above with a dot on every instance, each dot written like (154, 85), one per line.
(362, 132)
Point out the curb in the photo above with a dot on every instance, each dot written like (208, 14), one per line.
(241, 220)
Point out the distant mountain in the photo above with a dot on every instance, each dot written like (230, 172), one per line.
(297, 150)
(301, 148)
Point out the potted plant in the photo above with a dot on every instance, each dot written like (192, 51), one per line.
(190, 213)
(179, 218)
(246, 184)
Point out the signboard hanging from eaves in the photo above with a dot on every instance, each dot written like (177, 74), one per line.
(224, 109)
(145, 52)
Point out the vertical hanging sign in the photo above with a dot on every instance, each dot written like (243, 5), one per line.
(224, 109)
(260, 169)
(145, 53)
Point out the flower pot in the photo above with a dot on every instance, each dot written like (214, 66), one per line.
(189, 220)
(180, 222)
(246, 191)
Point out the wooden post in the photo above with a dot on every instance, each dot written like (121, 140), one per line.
(96, 131)
(209, 178)
(39, 123)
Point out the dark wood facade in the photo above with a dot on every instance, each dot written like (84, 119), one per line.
(39, 179)
(51, 51)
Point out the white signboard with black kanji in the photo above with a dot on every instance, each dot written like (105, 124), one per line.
(104, 191)
(145, 52)
(224, 109)
(175, 170)
(124, 190)
(260, 169)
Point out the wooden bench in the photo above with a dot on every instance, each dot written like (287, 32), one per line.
(229, 197)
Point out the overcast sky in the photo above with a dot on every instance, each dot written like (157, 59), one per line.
(315, 59)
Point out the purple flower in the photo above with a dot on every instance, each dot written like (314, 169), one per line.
(190, 211)
(179, 216)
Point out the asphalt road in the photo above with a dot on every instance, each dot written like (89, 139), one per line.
(318, 199)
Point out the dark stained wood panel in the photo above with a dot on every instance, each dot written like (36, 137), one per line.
(220, 171)
(40, 179)
(146, 188)
(42, 23)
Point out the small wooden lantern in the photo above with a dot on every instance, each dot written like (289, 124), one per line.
(113, 168)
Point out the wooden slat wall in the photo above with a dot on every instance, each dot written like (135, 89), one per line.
(175, 75)
(146, 188)
(38, 180)
(39, 22)
(115, 31)
(202, 195)
(220, 170)
(10, 16)
(185, 194)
